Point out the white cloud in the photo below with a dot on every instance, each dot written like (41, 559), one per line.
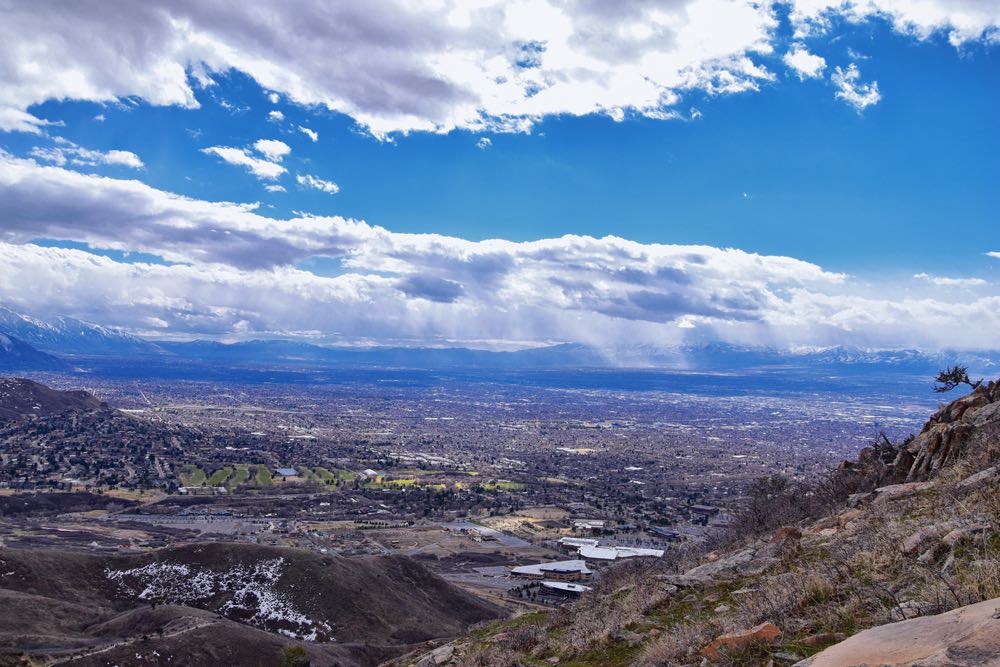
(309, 133)
(942, 281)
(311, 181)
(851, 90)
(995, 255)
(484, 143)
(272, 149)
(235, 265)
(275, 116)
(68, 152)
(961, 21)
(806, 65)
(263, 169)
(274, 98)
(99, 118)
(405, 65)
(275, 188)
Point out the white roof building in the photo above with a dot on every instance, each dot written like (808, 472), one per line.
(566, 586)
(577, 542)
(558, 567)
(614, 553)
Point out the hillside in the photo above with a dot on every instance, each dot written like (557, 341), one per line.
(16, 355)
(23, 398)
(906, 534)
(225, 603)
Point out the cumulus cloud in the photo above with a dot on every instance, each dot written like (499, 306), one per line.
(942, 281)
(275, 188)
(404, 65)
(850, 88)
(69, 153)
(241, 157)
(275, 116)
(805, 65)
(272, 149)
(310, 181)
(314, 136)
(484, 143)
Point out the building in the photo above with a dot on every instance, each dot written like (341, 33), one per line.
(565, 570)
(589, 524)
(564, 589)
(574, 543)
(704, 510)
(617, 553)
(286, 472)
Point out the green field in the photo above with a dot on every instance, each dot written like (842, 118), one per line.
(263, 476)
(241, 476)
(192, 475)
(220, 476)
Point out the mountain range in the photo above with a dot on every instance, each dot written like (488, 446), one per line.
(59, 343)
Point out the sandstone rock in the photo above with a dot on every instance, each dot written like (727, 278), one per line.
(981, 478)
(965, 637)
(823, 638)
(722, 566)
(765, 632)
(442, 654)
(914, 542)
(885, 494)
(961, 534)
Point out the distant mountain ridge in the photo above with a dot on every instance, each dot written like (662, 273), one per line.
(16, 355)
(68, 335)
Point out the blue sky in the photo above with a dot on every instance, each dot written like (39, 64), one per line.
(893, 196)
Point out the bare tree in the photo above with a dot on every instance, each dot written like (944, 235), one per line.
(952, 377)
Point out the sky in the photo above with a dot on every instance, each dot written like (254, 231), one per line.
(506, 174)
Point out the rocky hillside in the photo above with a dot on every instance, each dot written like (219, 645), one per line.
(23, 398)
(901, 545)
(223, 603)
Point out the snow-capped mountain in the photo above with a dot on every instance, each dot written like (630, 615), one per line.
(67, 335)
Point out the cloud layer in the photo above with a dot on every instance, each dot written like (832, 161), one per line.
(234, 272)
(398, 66)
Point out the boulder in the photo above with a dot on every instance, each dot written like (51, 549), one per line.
(763, 633)
(716, 569)
(981, 478)
(914, 542)
(966, 637)
(965, 533)
(885, 494)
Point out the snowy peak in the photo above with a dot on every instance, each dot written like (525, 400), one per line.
(67, 335)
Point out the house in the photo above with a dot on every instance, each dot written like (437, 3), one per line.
(286, 472)
(565, 570)
(704, 510)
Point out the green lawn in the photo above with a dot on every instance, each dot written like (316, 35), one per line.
(220, 476)
(241, 476)
(192, 475)
(263, 476)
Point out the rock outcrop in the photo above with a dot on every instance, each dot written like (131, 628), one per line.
(966, 637)
(942, 438)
